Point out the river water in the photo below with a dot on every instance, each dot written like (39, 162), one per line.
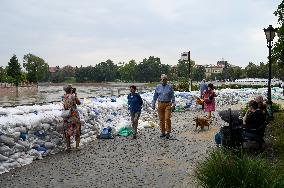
(49, 94)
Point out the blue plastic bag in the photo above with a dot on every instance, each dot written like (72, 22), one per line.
(106, 133)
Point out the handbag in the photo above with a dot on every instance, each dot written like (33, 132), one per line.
(66, 113)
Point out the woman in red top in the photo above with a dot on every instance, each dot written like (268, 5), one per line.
(209, 100)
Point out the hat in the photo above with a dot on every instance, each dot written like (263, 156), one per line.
(67, 88)
(164, 76)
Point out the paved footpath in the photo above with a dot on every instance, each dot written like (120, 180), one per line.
(122, 162)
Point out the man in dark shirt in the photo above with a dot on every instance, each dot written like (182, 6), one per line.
(255, 117)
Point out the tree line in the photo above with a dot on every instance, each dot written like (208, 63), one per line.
(36, 69)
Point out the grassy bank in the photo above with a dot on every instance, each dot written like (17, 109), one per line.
(227, 168)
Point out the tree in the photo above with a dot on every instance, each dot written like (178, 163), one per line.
(198, 73)
(106, 71)
(278, 49)
(149, 70)
(127, 71)
(67, 71)
(3, 75)
(14, 70)
(36, 67)
(251, 70)
(182, 68)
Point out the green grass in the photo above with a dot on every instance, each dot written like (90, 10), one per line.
(222, 168)
(277, 136)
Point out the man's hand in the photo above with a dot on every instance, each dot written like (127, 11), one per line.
(173, 107)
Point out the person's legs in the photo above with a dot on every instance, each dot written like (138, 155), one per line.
(209, 115)
(168, 113)
(68, 142)
(161, 112)
(135, 123)
(77, 136)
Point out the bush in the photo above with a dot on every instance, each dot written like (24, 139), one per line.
(224, 169)
(277, 129)
(70, 80)
(276, 107)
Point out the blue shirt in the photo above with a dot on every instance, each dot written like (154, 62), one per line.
(164, 93)
(203, 87)
(135, 102)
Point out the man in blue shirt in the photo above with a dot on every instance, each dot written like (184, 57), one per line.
(164, 93)
(135, 103)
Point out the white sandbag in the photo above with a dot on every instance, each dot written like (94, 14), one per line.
(7, 140)
(5, 150)
(3, 158)
(19, 147)
(25, 160)
(16, 135)
(49, 145)
(15, 156)
(12, 165)
(3, 169)
(35, 154)
(45, 126)
(24, 143)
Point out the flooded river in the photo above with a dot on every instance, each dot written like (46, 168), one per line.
(48, 94)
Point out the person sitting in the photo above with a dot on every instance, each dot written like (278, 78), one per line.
(255, 117)
(261, 105)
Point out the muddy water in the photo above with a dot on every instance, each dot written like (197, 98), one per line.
(48, 94)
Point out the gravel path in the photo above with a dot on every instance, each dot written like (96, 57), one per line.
(122, 162)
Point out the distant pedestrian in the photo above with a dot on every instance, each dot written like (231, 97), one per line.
(135, 103)
(164, 93)
(209, 100)
(71, 124)
(202, 87)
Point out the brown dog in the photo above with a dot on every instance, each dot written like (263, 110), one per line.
(201, 122)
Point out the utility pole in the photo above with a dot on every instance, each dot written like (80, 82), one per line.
(189, 73)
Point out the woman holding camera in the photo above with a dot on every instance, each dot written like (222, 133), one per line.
(71, 124)
(209, 100)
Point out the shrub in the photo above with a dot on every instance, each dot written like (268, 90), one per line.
(224, 169)
(277, 131)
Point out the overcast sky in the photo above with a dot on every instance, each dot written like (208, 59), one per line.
(87, 32)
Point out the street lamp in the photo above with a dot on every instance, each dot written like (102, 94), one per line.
(185, 56)
(270, 34)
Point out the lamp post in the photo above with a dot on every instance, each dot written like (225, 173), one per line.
(185, 56)
(270, 34)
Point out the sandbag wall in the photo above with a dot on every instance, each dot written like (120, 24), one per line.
(31, 132)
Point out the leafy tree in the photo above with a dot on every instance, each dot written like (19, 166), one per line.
(106, 71)
(278, 49)
(14, 70)
(182, 68)
(198, 73)
(251, 70)
(68, 71)
(36, 67)
(3, 75)
(149, 70)
(263, 70)
(127, 71)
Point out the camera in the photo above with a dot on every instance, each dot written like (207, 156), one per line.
(73, 90)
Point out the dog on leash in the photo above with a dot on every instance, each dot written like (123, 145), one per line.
(201, 122)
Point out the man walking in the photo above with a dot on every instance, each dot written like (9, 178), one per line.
(164, 93)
